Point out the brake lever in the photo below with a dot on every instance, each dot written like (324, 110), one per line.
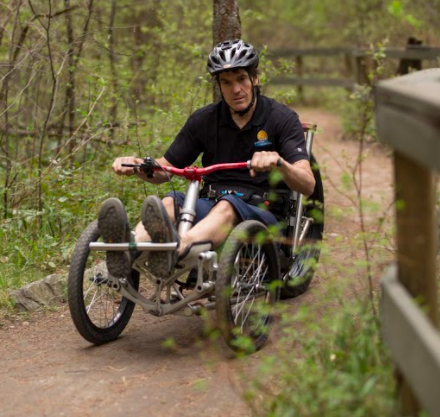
(146, 166)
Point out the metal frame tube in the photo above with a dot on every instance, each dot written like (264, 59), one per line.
(299, 205)
(188, 212)
(140, 246)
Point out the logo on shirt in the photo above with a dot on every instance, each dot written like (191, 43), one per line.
(262, 139)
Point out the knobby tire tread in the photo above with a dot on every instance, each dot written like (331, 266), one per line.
(315, 232)
(223, 282)
(83, 324)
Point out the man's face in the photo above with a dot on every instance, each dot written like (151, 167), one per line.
(236, 88)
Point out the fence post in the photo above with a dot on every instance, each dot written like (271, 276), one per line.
(299, 71)
(348, 58)
(360, 69)
(416, 246)
(406, 65)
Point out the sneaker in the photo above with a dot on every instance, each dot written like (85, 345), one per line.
(158, 225)
(114, 228)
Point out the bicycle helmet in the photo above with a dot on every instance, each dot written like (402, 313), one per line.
(229, 55)
(234, 54)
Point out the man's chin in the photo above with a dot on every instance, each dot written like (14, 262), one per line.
(239, 107)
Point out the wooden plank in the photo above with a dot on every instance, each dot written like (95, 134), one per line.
(292, 52)
(319, 82)
(415, 52)
(413, 135)
(413, 340)
(416, 234)
(416, 92)
(408, 115)
(416, 231)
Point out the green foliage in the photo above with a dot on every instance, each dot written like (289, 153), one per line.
(303, 23)
(152, 91)
(339, 367)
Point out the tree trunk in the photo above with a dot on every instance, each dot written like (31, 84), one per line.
(226, 25)
(112, 58)
(70, 89)
(4, 144)
(149, 17)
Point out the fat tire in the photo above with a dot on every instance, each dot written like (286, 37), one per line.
(231, 249)
(87, 329)
(302, 269)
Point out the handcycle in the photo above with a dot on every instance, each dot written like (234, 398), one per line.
(242, 284)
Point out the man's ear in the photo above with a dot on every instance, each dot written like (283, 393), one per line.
(255, 81)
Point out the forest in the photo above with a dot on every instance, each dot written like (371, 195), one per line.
(84, 82)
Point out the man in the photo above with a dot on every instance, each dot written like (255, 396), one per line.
(244, 125)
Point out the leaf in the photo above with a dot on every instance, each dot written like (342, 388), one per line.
(395, 8)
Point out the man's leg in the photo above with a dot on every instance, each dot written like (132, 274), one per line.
(141, 235)
(215, 227)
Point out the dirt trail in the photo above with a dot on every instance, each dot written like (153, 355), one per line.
(47, 369)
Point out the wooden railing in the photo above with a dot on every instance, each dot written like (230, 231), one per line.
(353, 63)
(408, 119)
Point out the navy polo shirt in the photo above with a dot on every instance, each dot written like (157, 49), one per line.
(211, 131)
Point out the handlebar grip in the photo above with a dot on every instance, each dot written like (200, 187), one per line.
(249, 166)
(136, 168)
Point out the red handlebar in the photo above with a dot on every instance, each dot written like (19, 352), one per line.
(194, 173)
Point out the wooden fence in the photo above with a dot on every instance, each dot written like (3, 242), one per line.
(408, 119)
(354, 63)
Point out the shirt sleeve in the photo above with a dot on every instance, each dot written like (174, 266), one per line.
(291, 143)
(186, 148)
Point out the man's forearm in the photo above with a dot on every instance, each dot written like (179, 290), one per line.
(159, 177)
(298, 177)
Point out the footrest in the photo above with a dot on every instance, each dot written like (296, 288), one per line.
(140, 246)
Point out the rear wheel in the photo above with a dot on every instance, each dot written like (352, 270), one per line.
(246, 287)
(299, 274)
(99, 312)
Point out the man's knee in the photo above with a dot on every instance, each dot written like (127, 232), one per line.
(227, 211)
(168, 203)
(140, 234)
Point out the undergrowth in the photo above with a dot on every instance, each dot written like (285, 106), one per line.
(325, 365)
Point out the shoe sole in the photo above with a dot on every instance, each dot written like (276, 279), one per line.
(158, 225)
(113, 225)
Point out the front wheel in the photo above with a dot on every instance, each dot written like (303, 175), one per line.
(247, 286)
(99, 312)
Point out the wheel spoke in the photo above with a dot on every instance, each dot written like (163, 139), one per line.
(251, 262)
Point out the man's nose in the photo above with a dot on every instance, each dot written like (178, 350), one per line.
(235, 88)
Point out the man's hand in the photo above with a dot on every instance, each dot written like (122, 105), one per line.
(298, 176)
(265, 161)
(120, 170)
